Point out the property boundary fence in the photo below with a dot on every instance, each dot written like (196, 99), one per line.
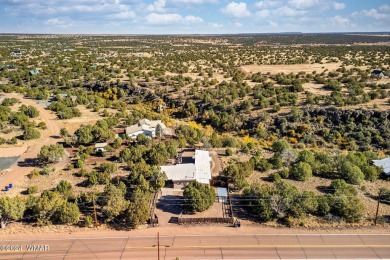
(204, 220)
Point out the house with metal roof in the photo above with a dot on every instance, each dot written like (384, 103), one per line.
(146, 127)
(33, 72)
(184, 173)
(100, 147)
(384, 164)
(377, 74)
(16, 53)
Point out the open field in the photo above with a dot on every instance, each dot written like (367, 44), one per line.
(291, 68)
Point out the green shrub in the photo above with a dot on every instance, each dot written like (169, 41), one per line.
(301, 171)
(32, 189)
(228, 152)
(275, 177)
(88, 221)
(34, 174)
(284, 173)
(31, 133)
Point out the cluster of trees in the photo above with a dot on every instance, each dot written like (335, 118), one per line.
(12, 121)
(346, 129)
(65, 110)
(353, 167)
(237, 173)
(100, 132)
(284, 202)
(56, 206)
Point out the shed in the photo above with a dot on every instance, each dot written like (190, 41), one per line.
(100, 147)
(222, 194)
(384, 164)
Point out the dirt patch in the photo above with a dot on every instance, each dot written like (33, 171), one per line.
(293, 68)
(216, 164)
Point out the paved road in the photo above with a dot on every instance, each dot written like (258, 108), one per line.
(304, 246)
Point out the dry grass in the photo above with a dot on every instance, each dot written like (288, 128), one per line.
(293, 68)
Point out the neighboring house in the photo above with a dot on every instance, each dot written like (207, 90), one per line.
(33, 72)
(184, 173)
(146, 127)
(100, 147)
(16, 53)
(377, 74)
(384, 164)
(62, 96)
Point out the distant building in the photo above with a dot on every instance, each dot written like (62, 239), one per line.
(138, 54)
(33, 72)
(62, 96)
(100, 147)
(16, 53)
(378, 74)
(146, 127)
(384, 164)
(184, 173)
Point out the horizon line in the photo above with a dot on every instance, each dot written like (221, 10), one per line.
(199, 34)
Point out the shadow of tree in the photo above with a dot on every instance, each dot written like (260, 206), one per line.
(171, 203)
(29, 162)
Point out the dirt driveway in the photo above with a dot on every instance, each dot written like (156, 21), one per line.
(49, 136)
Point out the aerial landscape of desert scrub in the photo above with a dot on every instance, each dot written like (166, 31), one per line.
(293, 126)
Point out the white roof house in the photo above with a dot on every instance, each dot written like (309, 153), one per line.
(100, 147)
(189, 172)
(146, 127)
(384, 163)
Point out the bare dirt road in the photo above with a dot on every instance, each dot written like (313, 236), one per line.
(251, 246)
(49, 136)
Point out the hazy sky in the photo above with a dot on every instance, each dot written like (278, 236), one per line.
(192, 16)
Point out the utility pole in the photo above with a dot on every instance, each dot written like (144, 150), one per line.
(158, 245)
(377, 208)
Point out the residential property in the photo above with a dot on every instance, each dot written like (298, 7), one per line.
(100, 147)
(16, 53)
(33, 72)
(377, 74)
(184, 173)
(384, 163)
(146, 127)
(62, 96)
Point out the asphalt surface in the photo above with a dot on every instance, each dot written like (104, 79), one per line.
(303, 246)
(6, 162)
